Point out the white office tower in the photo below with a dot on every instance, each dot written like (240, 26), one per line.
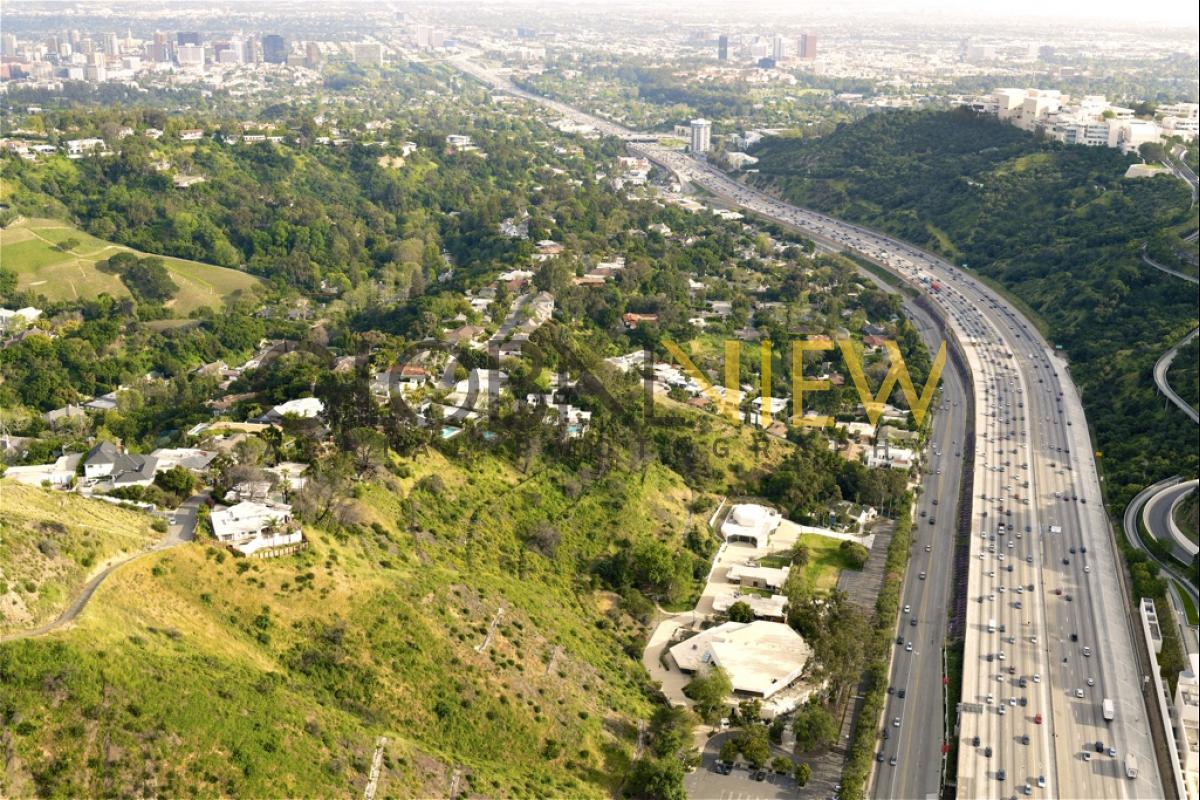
(780, 49)
(191, 56)
(701, 135)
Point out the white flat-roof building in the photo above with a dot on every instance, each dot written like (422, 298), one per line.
(761, 657)
(887, 456)
(1187, 725)
(59, 474)
(305, 408)
(750, 522)
(772, 608)
(777, 406)
(249, 527)
(756, 577)
(187, 457)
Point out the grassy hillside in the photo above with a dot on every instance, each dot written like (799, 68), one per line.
(30, 248)
(50, 542)
(193, 673)
(1059, 227)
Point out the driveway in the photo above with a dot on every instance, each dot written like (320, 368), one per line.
(186, 516)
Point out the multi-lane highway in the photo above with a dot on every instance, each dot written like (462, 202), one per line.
(1048, 636)
(908, 762)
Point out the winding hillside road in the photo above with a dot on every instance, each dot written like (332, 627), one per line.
(184, 530)
(1160, 377)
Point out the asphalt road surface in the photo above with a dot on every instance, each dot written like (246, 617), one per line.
(182, 530)
(1035, 473)
(917, 744)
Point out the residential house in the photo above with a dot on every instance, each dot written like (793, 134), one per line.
(59, 474)
(633, 320)
(251, 527)
(304, 407)
(22, 317)
(190, 458)
(775, 406)
(106, 463)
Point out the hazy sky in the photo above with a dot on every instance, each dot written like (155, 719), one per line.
(1173, 13)
(1183, 13)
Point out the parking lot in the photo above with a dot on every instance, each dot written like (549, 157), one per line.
(707, 784)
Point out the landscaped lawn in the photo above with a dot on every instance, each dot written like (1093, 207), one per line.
(825, 562)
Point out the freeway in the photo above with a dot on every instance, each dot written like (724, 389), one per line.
(916, 689)
(1048, 633)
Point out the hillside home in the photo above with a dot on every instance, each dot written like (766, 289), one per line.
(250, 527)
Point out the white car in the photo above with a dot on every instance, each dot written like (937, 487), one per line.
(1037, 677)
(907, 609)
(1079, 693)
(1087, 651)
(1091, 681)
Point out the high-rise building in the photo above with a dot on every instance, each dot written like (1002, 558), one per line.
(8, 44)
(701, 135)
(190, 56)
(274, 48)
(367, 54)
(779, 49)
(111, 47)
(808, 46)
(188, 37)
(160, 49)
(312, 55)
(723, 47)
(230, 52)
(424, 36)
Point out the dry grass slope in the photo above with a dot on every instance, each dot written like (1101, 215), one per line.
(50, 543)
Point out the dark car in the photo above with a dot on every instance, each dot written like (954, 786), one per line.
(760, 775)
(913, 622)
(975, 741)
(987, 752)
(901, 694)
(879, 758)
(724, 768)
(1024, 740)
(1001, 775)
(1074, 637)
(1099, 747)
